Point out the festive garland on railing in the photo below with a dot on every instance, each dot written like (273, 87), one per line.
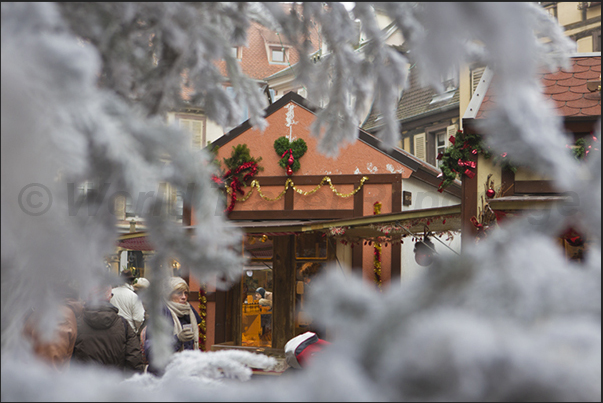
(290, 184)
(377, 251)
(203, 314)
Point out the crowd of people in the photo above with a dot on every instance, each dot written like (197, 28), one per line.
(108, 326)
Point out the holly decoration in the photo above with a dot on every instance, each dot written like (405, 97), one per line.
(459, 158)
(241, 168)
(582, 147)
(290, 152)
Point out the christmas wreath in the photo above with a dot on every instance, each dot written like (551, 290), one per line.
(290, 152)
(241, 168)
(582, 147)
(458, 159)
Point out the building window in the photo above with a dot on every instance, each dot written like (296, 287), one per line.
(236, 52)
(130, 209)
(256, 311)
(440, 145)
(244, 111)
(278, 54)
(550, 7)
(195, 125)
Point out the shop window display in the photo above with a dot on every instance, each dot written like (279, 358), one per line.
(256, 320)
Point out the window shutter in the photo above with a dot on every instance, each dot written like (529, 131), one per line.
(450, 131)
(195, 128)
(407, 144)
(419, 141)
(476, 75)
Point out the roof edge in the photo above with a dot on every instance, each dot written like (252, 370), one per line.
(478, 96)
(275, 106)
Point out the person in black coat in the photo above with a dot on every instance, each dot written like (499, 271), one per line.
(104, 337)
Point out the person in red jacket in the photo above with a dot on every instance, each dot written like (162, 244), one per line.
(300, 349)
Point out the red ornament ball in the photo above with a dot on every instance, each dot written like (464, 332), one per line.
(289, 171)
(490, 193)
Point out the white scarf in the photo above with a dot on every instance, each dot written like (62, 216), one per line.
(179, 310)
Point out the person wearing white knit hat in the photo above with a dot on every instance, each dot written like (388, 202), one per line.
(183, 316)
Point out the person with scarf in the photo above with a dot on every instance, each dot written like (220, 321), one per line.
(183, 314)
(184, 318)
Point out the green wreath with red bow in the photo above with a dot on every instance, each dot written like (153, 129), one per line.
(242, 167)
(290, 153)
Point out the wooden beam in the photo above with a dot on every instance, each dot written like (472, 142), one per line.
(283, 308)
(534, 187)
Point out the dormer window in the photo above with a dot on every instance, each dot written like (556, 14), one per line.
(278, 54)
(236, 52)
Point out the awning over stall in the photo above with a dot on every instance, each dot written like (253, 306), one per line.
(437, 220)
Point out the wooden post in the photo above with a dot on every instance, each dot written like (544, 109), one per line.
(283, 311)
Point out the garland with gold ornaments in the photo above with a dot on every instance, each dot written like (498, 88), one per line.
(377, 250)
(290, 184)
(203, 313)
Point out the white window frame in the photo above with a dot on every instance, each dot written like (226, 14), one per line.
(195, 125)
(237, 52)
(282, 49)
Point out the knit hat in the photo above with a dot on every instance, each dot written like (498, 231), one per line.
(299, 349)
(261, 291)
(176, 283)
(141, 283)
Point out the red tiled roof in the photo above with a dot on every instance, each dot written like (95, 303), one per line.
(138, 243)
(566, 88)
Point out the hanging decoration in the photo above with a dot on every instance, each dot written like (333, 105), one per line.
(290, 184)
(487, 217)
(203, 314)
(459, 158)
(337, 231)
(377, 251)
(241, 168)
(290, 152)
(424, 250)
(582, 147)
(573, 237)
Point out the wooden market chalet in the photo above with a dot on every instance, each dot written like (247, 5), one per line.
(323, 210)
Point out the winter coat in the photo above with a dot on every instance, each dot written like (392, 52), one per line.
(177, 345)
(58, 350)
(106, 338)
(129, 305)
